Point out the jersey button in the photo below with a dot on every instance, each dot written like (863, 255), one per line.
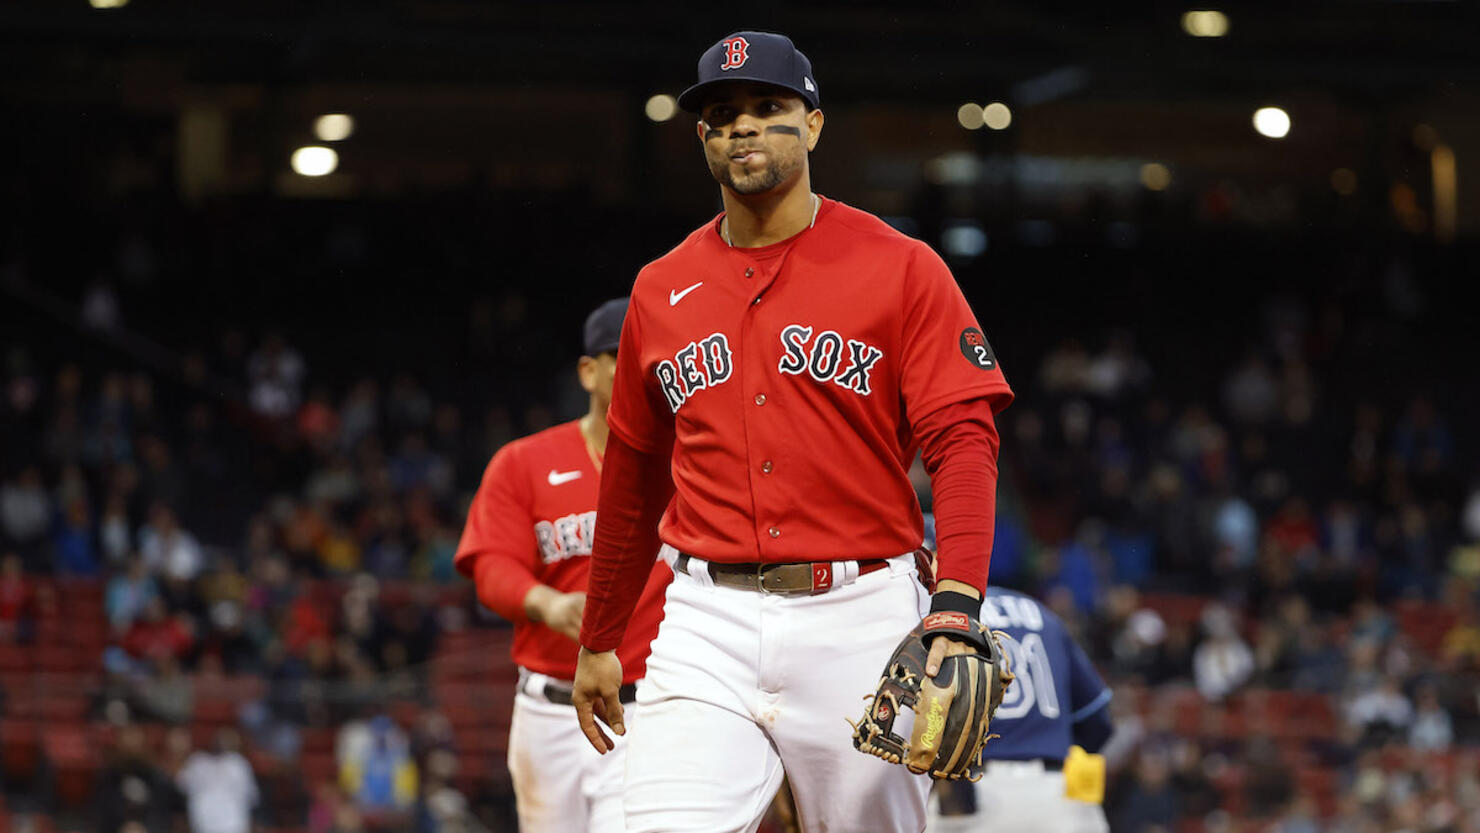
(775, 532)
(760, 399)
(749, 273)
(766, 467)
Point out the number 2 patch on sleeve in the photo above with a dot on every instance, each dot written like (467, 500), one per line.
(975, 348)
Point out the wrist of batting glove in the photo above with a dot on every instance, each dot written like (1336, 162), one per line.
(955, 602)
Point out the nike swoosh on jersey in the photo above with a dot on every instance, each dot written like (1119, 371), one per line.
(674, 296)
(558, 477)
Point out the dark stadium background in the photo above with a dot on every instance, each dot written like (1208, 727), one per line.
(1129, 241)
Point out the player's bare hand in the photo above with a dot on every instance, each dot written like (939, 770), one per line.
(943, 647)
(558, 611)
(595, 696)
(564, 614)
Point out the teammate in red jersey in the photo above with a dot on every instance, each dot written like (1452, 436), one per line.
(526, 547)
(784, 362)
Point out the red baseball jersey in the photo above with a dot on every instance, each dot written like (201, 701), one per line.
(790, 376)
(535, 512)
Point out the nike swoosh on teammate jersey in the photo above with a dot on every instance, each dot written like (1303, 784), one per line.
(674, 297)
(558, 477)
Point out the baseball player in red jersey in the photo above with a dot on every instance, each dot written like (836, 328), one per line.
(784, 362)
(526, 547)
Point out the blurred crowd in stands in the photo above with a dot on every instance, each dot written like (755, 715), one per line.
(1277, 569)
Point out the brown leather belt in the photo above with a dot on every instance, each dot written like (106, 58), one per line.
(805, 578)
(560, 695)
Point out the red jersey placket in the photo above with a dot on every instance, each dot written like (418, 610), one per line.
(761, 415)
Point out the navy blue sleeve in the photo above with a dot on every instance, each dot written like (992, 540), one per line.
(1092, 732)
(1089, 699)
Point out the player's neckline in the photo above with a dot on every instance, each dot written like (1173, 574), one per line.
(724, 224)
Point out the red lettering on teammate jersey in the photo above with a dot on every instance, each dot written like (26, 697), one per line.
(736, 53)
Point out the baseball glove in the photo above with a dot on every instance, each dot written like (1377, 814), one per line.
(953, 710)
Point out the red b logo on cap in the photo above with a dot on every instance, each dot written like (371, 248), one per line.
(735, 56)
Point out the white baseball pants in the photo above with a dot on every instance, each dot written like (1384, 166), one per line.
(742, 684)
(1022, 797)
(561, 784)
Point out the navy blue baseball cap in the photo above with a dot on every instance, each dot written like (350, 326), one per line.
(604, 327)
(761, 57)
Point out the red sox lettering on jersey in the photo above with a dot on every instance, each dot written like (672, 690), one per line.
(709, 363)
(824, 359)
(566, 536)
(785, 380)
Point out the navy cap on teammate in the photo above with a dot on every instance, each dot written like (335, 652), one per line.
(761, 57)
(604, 327)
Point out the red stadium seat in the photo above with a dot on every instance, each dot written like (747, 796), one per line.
(395, 594)
(1320, 785)
(1425, 623)
(319, 768)
(62, 658)
(215, 713)
(63, 708)
(14, 657)
(318, 740)
(20, 747)
(405, 712)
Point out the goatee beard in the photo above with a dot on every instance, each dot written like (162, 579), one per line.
(757, 183)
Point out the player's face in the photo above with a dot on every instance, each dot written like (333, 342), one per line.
(596, 377)
(756, 137)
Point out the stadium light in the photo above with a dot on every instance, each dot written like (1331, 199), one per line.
(334, 127)
(315, 160)
(107, 4)
(661, 107)
(969, 115)
(1155, 176)
(997, 116)
(1446, 214)
(1205, 23)
(1272, 122)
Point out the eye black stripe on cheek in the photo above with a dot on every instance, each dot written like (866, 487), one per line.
(713, 133)
(786, 129)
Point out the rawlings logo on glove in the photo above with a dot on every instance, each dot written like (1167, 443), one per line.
(953, 710)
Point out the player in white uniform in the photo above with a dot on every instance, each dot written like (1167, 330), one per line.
(526, 546)
(777, 371)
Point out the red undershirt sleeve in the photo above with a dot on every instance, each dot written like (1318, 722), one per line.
(635, 489)
(958, 444)
(496, 550)
(501, 584)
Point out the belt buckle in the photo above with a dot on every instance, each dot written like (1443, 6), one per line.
(772, 572)
(785, 579)
(770, 578)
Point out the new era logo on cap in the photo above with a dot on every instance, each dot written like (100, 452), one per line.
(760, 57)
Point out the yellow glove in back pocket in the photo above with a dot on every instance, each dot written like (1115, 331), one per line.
(1084, 776)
